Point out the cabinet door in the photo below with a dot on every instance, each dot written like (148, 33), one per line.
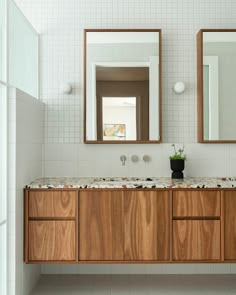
(52, 240)
(230, 225)
(146, 225)
(196, 240)
(101, 225)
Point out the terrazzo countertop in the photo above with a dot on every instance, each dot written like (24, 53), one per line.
(131, 182)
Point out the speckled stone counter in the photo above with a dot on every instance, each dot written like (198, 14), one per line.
(132, 182)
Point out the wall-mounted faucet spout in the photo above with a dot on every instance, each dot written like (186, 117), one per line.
(123, 159)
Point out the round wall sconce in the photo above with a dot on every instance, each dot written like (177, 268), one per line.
(66, 88)
(179, 87)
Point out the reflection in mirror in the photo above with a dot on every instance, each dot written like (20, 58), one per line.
(122, 86)
(219, 85)
(117, 109)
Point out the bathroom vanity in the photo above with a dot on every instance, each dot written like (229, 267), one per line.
(130, 220)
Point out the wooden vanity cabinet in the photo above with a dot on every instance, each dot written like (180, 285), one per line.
(124, 225)
(51, 226)
(130, 225)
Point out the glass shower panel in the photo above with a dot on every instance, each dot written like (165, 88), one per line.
(3, 188)
(3, 40)
(3, 256)
(23, 52)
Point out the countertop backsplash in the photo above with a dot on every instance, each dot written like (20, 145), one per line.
(79, 160)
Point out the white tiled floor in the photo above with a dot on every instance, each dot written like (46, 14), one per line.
(136, 284)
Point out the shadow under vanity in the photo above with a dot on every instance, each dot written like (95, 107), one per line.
(120, 220)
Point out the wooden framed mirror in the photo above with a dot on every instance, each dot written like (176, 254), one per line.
(216, 76)
(122, 86)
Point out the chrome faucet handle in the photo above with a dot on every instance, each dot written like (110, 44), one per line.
(123, 158)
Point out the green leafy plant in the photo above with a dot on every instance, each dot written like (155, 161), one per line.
(178, 154)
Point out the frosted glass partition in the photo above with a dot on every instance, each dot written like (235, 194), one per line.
(3, 199)
(3, 40)
(23, 52)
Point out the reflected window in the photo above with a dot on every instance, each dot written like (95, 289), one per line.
(119, 118)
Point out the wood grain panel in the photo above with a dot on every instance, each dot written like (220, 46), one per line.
(52, 204)
(101, 225)
(222, 225)
(230, 225)
(52, 240)
(200, 86)
(196, 203)
(196, 240)
(26, 226)
(146, 226)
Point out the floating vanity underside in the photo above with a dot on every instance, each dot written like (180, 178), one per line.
(130, 220)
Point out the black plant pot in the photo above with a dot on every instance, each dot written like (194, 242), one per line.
(177, 166)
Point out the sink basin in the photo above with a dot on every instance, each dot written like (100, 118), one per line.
(138, 182)
(125, 181)
(228, 179)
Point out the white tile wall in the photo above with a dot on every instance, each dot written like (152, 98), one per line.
(25, 164)
(100, 160)
(61, 24)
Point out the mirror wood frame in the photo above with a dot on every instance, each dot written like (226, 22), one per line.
(159, 80)
(200, 123)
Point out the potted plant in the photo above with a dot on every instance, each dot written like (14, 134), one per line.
(177, 162)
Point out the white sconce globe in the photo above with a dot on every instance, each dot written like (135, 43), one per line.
(66, 88)
(179, 87)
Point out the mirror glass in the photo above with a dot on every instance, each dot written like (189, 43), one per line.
(219, 85)
(122, 79)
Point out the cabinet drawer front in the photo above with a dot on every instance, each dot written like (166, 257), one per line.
(196, 203)
(52, 240)
(196, 240)
(52, 204)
